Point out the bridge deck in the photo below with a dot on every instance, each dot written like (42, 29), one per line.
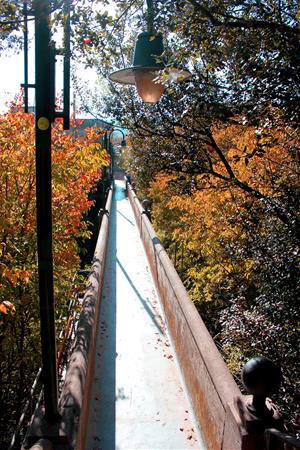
(138, 400)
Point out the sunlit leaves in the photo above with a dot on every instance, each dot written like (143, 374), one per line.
(6, 306)
(238, 260)
(76, 168)
(77, 163)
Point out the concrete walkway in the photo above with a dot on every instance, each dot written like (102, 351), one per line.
(138, 400)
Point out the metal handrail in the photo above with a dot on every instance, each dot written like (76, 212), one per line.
(275, 437)
(13, 442)
(67, 335)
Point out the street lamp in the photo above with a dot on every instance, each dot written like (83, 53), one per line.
(148, 65)
(123, 142)
(108, 145)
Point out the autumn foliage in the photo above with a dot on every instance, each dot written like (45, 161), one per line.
(77, 166)
(237, 250)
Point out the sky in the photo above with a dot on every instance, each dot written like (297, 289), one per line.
(12, 76)
(12, 69)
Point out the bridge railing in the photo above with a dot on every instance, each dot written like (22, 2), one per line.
(78, 382)
(220, 408)
(212, 389)
(70, 432)
(278, 440)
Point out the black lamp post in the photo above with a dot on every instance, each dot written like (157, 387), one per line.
(148, 64)
(45, 115)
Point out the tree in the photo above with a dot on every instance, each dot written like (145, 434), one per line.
(12, 20)
(212, 141)
(77, 167)
(241, 75)
(240, 262)
(224, 146)
(249, 49)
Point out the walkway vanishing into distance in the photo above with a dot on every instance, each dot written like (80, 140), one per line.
(138, 398)
(144, 372)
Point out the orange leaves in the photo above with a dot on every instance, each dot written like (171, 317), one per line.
(257, 155)
(210, 221)
(24, 276)
(3, 309)
(77, 165)
(77, 161)
(14, 275)
(11, 276)
(6, 306)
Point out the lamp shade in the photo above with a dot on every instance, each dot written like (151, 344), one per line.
(148, 50)
(147, 64)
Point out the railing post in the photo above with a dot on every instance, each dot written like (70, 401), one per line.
(261, 378)
(146, 204)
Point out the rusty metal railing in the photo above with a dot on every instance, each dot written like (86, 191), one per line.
(70, 319)
(277, 440)
(27, 410)
(228, 419)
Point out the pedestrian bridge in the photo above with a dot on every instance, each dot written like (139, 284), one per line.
(138, 399)
(129, 386)
(144, 371)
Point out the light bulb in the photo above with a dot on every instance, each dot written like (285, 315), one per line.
(149, 90)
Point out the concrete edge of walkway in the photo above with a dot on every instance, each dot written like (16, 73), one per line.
(210, 385)
(78, 380)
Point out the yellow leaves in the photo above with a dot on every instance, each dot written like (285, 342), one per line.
(203, 222)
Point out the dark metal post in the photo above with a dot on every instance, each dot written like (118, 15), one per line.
(25, 56)
(109, 149)
(175, 254)
(105, 140)
(111, 152)
(262, 378)
(67, 57)
(26, 85)
(182, 255)
(44, 112)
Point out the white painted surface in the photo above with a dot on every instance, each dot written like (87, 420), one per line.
(138, 400)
